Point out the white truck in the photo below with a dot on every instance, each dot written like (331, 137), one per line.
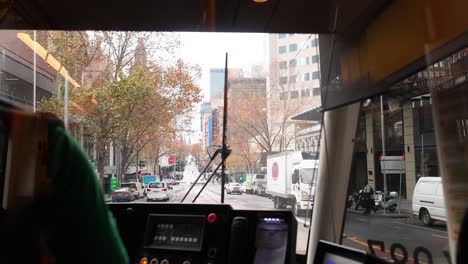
(291, 180)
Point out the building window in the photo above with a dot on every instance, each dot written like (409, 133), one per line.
(292, 63)
(292, 47)
(306, 77)
(316, 91)
(283, 65)
(294, 94)
(293, 79)
(283, 80)
(304, 61)
(283, 95)
(281, 36)
(305, 93)
(315, 59)
(315, 75)
(314, 43)
(281, 49)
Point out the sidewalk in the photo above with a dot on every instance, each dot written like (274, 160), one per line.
(405, 211)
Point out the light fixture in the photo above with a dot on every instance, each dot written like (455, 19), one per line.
(367, 102)
(260, 1)
(47, 57)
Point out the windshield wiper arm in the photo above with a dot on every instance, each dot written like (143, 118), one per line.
(224, 157)
(203, 172)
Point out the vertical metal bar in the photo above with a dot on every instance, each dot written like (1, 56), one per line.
(336, 143)
(65, 112)
(224, 148)
(34, 73)
(399, 195)
(382, 128)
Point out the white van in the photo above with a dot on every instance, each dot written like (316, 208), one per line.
(428, 200)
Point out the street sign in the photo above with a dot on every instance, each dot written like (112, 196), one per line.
(392, 164)
(110, 170)
(171, 160)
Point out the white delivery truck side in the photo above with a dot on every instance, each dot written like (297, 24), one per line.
(291, 180)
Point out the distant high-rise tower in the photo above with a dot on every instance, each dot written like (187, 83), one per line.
(140, 55)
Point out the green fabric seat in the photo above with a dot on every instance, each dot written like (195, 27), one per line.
(83, 227)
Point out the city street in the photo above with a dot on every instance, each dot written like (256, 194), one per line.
(408, 232)
(359, 228)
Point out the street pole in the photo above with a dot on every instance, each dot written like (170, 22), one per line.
(383, 146)
(399, 195)
(34, 73)
(65, 112)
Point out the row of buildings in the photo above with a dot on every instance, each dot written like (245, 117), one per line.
(293, 92)
(290, 84)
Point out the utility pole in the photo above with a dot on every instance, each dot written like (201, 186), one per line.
(382, 128)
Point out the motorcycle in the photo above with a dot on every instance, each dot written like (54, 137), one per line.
(389, 205)
(356, 199)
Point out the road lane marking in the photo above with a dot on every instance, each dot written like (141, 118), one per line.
(360, 219)
(356, 240)
(423, 228)
(439, 236)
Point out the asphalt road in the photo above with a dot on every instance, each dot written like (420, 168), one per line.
(409, 232)
(358, 228)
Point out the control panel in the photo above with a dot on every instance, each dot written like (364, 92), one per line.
(206, 234)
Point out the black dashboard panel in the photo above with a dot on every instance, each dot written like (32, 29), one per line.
(168, 233)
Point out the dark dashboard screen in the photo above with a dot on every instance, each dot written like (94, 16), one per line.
(177, 234)
(169, 232)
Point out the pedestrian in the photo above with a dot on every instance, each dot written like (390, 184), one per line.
(368, 202)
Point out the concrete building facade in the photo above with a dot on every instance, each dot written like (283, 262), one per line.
(293, 81)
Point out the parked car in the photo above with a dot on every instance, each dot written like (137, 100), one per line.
(157, 191)
(247, 188)
(233, 187)
(259, 188)
(171, 182)
(136, 189)
(428, 200)
(122, 195)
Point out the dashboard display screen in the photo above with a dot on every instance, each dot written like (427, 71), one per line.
(175, 232)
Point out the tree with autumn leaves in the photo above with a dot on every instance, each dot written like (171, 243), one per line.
(130, 104)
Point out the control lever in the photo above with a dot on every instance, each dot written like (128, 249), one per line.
(238, 241)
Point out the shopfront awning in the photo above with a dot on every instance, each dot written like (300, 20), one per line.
(314, 114)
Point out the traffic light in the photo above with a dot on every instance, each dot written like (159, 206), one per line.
(241, 178)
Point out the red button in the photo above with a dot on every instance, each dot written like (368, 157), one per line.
(212, 218)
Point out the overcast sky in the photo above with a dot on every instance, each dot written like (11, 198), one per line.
(208, 50)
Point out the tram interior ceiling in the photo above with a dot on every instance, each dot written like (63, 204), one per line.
(367, 48)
